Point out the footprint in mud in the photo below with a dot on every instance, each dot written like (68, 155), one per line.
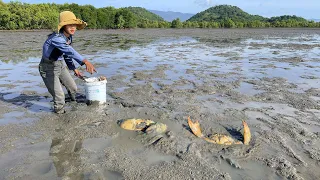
(283, 167)
(231, 161)
(105, 174)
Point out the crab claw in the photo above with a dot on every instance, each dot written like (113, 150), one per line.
(195, 127)
(246, 133)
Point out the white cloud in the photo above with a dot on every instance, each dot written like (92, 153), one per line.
(206, 3)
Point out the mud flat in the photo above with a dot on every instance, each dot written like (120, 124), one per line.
(268, 77)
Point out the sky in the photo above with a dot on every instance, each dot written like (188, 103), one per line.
(308, 9)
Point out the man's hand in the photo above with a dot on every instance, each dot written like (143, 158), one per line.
(78, 73)
(89, 67)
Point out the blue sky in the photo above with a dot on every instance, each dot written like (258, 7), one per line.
(305, 8)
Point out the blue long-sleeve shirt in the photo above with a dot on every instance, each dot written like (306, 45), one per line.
(58, 47)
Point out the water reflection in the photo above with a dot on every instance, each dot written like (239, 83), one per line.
(73, 157)
(33, 103)
(66, 157)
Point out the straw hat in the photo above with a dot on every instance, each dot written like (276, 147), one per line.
(67, 17)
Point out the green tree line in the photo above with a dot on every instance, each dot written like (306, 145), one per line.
(17, 15)
(229, 23)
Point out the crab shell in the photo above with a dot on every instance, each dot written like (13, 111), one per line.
(220, 138)
(156, 128)
(135, 124)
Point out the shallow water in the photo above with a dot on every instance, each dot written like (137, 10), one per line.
(181, 54)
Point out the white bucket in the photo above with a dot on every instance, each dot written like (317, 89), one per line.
(96, 90)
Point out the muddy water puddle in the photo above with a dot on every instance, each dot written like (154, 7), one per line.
(15, 117)
(167, 78)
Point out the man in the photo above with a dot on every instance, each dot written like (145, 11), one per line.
(57, 55)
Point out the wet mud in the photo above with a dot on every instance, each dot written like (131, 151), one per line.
(268, 77)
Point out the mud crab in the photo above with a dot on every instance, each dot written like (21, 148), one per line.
(220, 138)
(145, 125)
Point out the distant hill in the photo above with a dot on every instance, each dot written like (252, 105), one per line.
(287, 18)
(170, 15)
(315, 20)
(143, 13)
(221, 12)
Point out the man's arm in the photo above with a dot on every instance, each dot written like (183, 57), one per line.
(71, 54)
(69, 62)
(68, 51)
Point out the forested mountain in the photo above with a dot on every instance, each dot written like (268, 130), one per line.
(170, 15)
(147, 19)
(143, 13)
(222, 12)
(227, 16)
(286, 18)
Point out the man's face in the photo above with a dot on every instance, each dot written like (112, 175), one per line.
(70, 29)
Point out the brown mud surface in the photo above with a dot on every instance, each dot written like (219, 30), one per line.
(268, 77)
